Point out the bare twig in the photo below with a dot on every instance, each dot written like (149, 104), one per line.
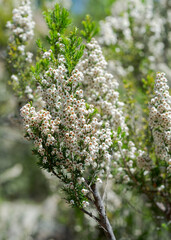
(104, 221)
(105, 188)
(90, 215)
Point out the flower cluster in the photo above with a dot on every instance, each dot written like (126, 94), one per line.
(134, 28)
(100, 87)
(21, 28)
(120, 21)
(160, 118)
(22, 24)
(67, 137)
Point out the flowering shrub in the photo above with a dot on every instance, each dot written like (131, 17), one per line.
(148, 169)
(69, 139)
(136, 37)
(79, 130)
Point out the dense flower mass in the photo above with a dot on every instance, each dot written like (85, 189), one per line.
(100, 87)
(67, 137)
(22, 24)
(136, 29)
(21, 28)
(160, 118)
(131, 18)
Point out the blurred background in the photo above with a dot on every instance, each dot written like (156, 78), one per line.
(32, 207)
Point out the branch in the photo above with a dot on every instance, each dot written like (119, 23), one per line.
(128, 169)
(150, 194)
(104, 221)
(90, 215)
(105, 189)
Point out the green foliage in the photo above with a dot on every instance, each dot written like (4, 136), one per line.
(69, 46)
(73, 50)
(89, 28)
(5, 15)
(57, 20)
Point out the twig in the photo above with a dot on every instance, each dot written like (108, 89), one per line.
(104, 221)
(90, 215)
(105, 188)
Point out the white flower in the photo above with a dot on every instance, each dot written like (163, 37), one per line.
(72, 202)
(85, 203)
(29, 56)
(9, 25)
(99, 180)
(28, 89)
(80, 180)
(84, 191)
(14, 78)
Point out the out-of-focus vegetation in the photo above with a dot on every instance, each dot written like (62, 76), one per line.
(30, 205)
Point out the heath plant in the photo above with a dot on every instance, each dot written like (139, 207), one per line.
(79, 128)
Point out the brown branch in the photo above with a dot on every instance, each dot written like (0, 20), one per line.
(90, 215)
(126, 166)
(104, 221)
